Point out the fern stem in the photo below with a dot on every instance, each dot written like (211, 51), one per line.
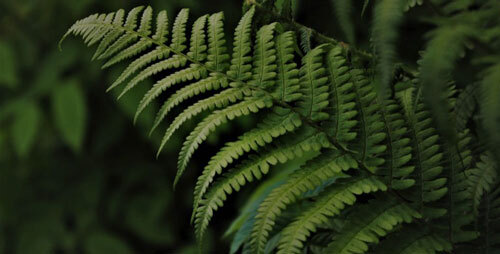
(319, 36)
(388, 129)
(413, 132)
(362, 117)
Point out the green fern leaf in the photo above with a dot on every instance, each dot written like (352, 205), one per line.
(138, 47)
(488, 220)
(481, 180)
(99, 33)
(218, 117)
(460, 218)
(315, 104)
(161, 27)
(313, 85)
(412, 3)
(194, 72)
(175, 61)
(398, 154)
(447, 44)
(320, 169)
(329, 203)
(370, 223)
(341, 106)
(489, 108)
(466, 104)
(240, 63)
(179, 31)
(217, 56)
(197, 45)
(129, 34)
(412, 240)
(214, 82)
(387, 16)
(343, 11)
(138, 64)
(427, 158)
(288, 81)
(217, 101)
(254, 168)
(305, 39)
(264, 59)
(278, 123)
(370, 135)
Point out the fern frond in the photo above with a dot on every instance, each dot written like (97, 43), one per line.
(387, 16)
(254, 168)
(481, 179)
(343, 11)
(447, 44)
(313, 173)
(466, 103)
(490, 90)
(369, 223)
(161, 27)
(214, 82)
(370, 135)
(217, 56)
(313, 85)
(127, 37)
(412, 3)
(136, 65)
(240, 63)
(412, 240)
(194, 72)
(288, 86)
(315, 104)
(341, 106)
(265, 71)
(396, 168)
(198, 47)
(99, 33)
(219, 100)
(489, 218)
(329, 203)
(305, 39)
(138, 47)
(459, 207)
(131, 51)
(175, 61)
(218, 117)
(427, 156)
(277, 123)
(264, 59)
(179, 31)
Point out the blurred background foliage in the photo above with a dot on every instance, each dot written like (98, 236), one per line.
(76, 176)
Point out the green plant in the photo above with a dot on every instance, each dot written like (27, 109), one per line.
(381, 168)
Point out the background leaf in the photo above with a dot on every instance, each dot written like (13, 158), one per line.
(24, 127)
(104, 243)
(8, 66)
(70, 113)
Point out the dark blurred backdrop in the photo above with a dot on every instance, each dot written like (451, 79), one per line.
(76, 176)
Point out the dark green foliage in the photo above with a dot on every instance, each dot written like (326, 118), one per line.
(343, 11)
(387, 16)
(390, 167)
